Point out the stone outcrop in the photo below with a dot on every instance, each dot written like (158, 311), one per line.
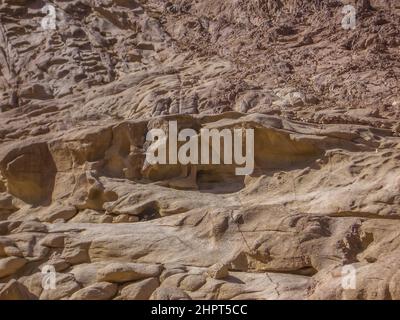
(78, 199)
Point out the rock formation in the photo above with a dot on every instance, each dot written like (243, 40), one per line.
(76, 194)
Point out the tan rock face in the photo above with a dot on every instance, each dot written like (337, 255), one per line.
(65, 286)
(218, 271)
(14, 290)
(79, 206)
(10, 265)
(97, 291)
(141, 290)
(124, 272)
(168, 293)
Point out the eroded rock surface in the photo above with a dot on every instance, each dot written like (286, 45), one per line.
(75, 191)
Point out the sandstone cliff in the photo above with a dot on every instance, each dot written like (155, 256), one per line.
(76, 105)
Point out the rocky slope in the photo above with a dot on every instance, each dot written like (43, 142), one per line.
(76, 105)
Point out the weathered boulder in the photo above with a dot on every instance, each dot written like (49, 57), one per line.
(10, 265)
(140, 290)
(123, 272)
(96, 291)
(14, 290)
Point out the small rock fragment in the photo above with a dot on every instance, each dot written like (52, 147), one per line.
(218, 271)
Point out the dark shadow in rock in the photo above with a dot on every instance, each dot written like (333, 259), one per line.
(233, 279)
(150, 212)
(218, 183)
